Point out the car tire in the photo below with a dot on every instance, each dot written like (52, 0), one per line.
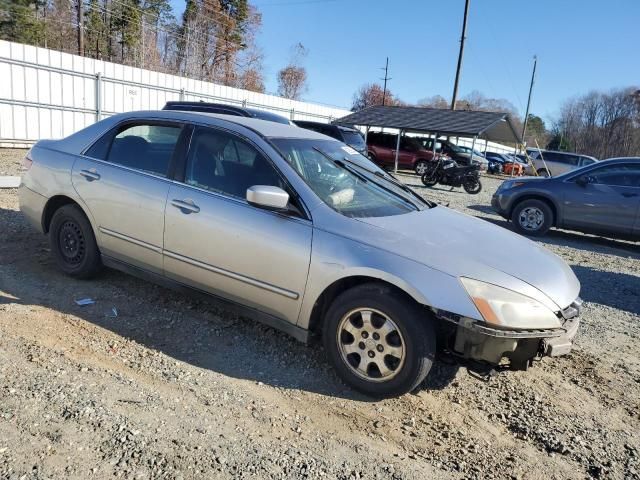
(372, 156)
(421, 167)
(365, 322)
(543, 172)
(532, 218)
(73, 244)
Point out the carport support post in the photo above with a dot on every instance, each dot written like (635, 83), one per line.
(473, 147)
(395, 168)
(366, 133)
(433, 145)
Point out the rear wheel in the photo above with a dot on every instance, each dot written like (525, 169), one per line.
(532, 217)
(421, 167)
(73, 244)
(378, 341)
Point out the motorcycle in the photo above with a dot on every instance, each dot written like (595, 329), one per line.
(448, 172)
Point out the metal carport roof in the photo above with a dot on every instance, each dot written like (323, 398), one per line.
(492, 126)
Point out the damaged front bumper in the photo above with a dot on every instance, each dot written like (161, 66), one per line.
(479, 342)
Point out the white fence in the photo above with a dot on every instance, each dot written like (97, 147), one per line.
(49, 94)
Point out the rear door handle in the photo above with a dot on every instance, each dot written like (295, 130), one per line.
(629, 195)
(89, 175)
(185, 206)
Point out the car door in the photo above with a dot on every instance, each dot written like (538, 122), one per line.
(215, 241)
(122, 179)
(605, 199)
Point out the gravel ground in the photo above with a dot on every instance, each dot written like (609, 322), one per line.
(175, 388)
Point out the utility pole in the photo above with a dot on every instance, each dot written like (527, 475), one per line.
(80, 33)
(460, 55)
(386, 77)
(526, 115)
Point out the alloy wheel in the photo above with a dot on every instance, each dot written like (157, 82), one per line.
(371, 344)
(531, 218)
(421, 168)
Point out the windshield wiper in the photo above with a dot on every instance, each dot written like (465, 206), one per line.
(393, 181)
(343, 164)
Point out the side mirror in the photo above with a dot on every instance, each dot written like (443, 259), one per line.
(584, 181)
(268, 197)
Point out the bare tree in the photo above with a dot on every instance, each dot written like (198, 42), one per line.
(600, 124)
(371, 94)
(292, 79)
(436, 101)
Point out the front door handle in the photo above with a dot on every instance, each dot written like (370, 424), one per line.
(629, 195)
(185, 206)
(89, 175)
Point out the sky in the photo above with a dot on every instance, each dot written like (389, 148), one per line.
(581, 45)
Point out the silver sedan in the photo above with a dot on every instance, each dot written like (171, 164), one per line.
(303, 233)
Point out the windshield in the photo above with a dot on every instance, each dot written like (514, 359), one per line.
(345, 180)
(354, 139)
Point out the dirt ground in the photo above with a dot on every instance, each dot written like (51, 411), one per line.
(172, 387)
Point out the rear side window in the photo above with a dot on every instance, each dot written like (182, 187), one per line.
(145, 147)
(561, 158)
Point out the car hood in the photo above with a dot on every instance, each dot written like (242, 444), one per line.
(465, 246)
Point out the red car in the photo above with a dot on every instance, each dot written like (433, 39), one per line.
(381, 149)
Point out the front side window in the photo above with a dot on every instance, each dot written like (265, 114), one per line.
(617, 175)
(223, 163)
(144, 147)
(352, 190)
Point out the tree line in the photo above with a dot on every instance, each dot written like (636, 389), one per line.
(213, 40)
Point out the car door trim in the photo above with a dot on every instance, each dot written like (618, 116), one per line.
(235, 276)
(126, 238)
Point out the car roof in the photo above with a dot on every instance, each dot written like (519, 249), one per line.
(263, 127)
(311, 123)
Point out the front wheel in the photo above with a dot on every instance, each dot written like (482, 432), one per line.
(472, 185)
(430, 177)
(380, 343)
(532, 217)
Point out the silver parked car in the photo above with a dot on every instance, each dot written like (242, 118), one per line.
(302, 232)
(602, 198)
(548, 163)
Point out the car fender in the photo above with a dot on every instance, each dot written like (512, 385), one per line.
(541, 194)
(335, 257)
(50, 176)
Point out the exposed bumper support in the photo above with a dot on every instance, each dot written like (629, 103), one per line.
(478, 341)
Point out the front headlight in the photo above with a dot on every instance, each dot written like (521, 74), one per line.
(510, 184)
(507, 309)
